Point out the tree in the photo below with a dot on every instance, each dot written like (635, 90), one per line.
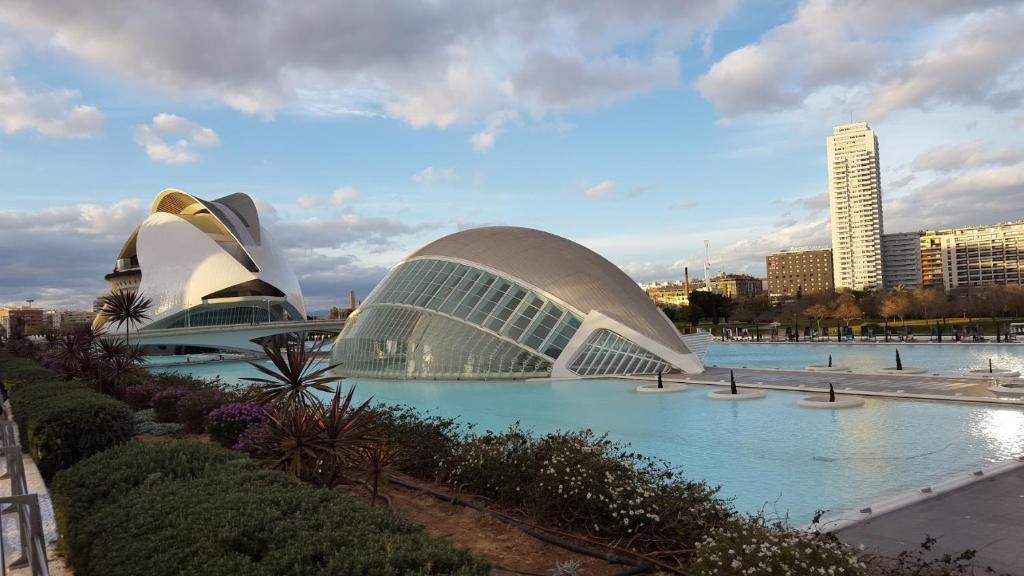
(847, 310)
(895, 305)
(926, 303)
(709, 305)
(817, 311)
(125, 307)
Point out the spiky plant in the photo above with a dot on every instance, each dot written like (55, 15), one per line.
(381, 459)
(294, 377)
(125, 307)
(72, 353)
(831, 393)
(317, 442)
(732, 383)
(115, 359)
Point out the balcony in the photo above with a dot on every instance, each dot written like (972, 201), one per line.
(126, 264)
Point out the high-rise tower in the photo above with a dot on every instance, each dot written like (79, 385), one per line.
(855, 205)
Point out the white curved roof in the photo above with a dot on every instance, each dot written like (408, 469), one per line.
(562, 268)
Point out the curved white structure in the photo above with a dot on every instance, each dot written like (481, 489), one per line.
(506, 302)
(207, 263)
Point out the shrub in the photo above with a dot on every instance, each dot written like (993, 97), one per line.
(143, 508)
(193, 409)
(144, 424)
(427, 440)
(14, 368)
(165, 403)
(227, 423)
(105, 477)
(140, 396)
(752, 547)
(580, 482)
(61, 423)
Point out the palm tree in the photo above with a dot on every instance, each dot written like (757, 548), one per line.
(126, 307)
(295, 375)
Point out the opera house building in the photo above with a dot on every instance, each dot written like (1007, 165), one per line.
(510, 303)
(205, 263)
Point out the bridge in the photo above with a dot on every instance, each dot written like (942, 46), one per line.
(235, 337)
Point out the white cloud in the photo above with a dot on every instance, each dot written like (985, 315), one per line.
(306, 201)
(426, 63)
(430, 177)
(345, 195)
(836, 55)
(973, 154)
(157, 139)
(603, 190)
(52, 113)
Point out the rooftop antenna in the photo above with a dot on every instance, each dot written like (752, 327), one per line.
(707, 266)
(30, 301)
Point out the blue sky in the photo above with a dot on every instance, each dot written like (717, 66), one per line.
(366, 129)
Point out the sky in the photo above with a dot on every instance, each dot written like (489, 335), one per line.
(365, 129)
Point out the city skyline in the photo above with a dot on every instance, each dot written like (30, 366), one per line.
(666, 127)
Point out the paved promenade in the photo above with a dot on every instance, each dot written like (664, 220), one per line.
(986, 516)
(925, 386)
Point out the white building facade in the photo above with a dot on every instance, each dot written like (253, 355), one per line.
(855, 206)
(510, 303)
(206, 263)
(973, 256)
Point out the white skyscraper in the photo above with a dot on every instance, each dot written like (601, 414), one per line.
(855, 204)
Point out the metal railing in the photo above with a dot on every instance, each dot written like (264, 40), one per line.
(25, 505)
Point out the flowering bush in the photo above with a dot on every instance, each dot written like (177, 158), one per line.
(194, 408)
(165, 403)
(140, 396)
(427, 440)
(752, 547)
(227, 423)
(586, 483)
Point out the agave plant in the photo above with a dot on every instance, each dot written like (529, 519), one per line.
(115, 359)
(126, 307)
(294, 377)
(72, 353)
(314, 441)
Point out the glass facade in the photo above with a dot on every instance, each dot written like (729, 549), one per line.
(438, 319)
(605, 352)
(222, 316)
(486, 300)
(387, 341)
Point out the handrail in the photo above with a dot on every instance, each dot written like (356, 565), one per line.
(30, 523)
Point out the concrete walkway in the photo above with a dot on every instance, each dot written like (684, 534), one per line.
(922, 386)
(986, 516)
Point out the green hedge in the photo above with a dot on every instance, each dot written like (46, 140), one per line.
(61, 423)
(14, 368)
(181, 508)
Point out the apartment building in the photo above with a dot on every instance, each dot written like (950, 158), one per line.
(799, 271)
(855, 206)
(901, 260)
(973, 256)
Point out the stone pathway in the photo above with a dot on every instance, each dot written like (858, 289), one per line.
(986, 516)
(929, 386)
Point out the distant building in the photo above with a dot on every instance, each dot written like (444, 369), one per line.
(799, 271)
(855, 206)
(973, 256)
(674, 293)
(71, 318)
(32, 320)
(736, 285)
(901, 259)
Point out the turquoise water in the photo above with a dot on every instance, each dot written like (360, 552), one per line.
(764, 453)
(940, 358)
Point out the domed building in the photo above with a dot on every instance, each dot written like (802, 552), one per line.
(206, 263)
(507, 302)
